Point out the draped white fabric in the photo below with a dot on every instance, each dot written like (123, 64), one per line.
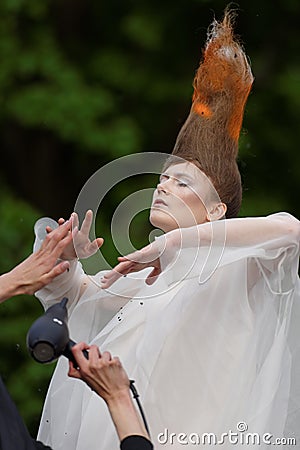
(207, 356)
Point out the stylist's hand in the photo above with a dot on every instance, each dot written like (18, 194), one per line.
(81, 246)
(40, 268)
(102, 373)
(148, 256)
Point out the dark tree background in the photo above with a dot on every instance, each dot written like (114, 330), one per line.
(83, 82)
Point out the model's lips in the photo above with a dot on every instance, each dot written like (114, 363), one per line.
(159, 202)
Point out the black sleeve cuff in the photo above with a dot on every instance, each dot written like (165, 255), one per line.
(136, 443)
(40, 446)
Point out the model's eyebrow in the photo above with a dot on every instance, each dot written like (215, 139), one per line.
(178, 175)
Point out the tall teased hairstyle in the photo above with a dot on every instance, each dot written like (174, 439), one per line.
(209, 137)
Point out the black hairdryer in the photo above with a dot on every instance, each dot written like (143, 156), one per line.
(48, 337)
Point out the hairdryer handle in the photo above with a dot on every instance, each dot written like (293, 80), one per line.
(68, 353)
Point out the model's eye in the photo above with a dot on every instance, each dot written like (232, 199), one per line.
(182, 183)
(163, 178)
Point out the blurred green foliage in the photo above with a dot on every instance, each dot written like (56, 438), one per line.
(82, 83)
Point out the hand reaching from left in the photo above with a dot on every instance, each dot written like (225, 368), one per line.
(40, 268)
(81, 246)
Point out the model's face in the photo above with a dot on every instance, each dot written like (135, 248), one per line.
(182, 198)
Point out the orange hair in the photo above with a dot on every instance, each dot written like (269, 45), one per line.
(209, 137)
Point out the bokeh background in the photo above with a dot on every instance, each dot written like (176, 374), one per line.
(83, 82)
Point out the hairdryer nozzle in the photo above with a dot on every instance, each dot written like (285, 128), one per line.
(43, 352)
(48, 337)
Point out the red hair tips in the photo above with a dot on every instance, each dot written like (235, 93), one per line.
(210, 134)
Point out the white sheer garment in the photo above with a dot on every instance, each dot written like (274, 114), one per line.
(206, 356)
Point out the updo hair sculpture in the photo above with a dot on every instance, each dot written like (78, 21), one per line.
(209, 137)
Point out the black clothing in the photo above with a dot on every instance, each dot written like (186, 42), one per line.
(13, 432)
(136, 443)
(15, 436)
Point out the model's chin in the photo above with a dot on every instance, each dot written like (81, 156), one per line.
(162, 220)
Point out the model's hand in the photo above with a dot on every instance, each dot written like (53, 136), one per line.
(104, 374)
(40, 268)
(81, 246)
(139, 260)
(148, 256)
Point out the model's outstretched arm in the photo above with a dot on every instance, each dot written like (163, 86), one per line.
(40, 268)
(106, 376)
(275, 231)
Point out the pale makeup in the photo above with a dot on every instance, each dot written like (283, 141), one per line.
(182, 198)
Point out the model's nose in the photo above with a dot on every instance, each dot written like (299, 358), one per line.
(160, 187)
(164, 187)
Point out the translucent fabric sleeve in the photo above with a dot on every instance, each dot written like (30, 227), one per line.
(230, 338)
(69, 284)
(80, 288)
(273, 241)
(214, 342)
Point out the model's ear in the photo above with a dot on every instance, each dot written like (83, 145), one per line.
(216, 212)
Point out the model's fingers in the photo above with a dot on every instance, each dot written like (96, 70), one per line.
(111, 279)
(133, 256)
(75, 219)
(99, 242)
(71, 236)
(113, 275)
(95, 245)
(61, 221)
(58, 270)
(144, 256)
(86, 224)
(122, 258)
(115, 272)
(152, 277)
